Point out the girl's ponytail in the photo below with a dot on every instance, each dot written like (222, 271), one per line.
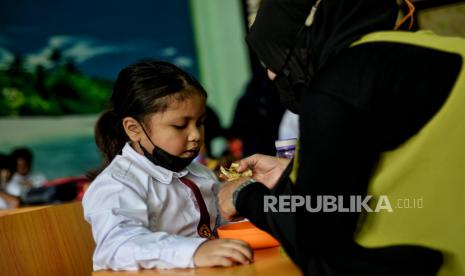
(110, 139)
(109, 135)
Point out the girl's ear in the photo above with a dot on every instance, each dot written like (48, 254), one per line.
(133, 129)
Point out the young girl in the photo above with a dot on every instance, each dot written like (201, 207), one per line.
(151, 207)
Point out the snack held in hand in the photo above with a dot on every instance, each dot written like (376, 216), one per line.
(232, 174)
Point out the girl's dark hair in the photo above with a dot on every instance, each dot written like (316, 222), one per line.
(7, 163)
(23, 153)
(140, 90)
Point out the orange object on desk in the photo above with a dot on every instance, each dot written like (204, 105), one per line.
(248, 232)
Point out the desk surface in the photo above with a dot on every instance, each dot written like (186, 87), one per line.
(6, 212)
(267, 262)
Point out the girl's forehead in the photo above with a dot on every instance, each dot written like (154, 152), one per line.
(181, 101)
(191, 106)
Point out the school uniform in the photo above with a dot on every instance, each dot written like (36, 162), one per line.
(3, 204)
(16, 187)
(144, 216)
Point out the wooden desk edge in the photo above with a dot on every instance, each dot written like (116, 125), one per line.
(268, 261)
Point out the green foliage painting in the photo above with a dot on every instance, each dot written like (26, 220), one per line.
(58, 90)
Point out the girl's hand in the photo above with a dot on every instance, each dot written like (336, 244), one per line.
(223, 252)
(266, 169)
(225, 199)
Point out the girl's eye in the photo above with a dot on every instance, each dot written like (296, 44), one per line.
(179, 126)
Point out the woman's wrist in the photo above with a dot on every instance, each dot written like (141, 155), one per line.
(236, 192)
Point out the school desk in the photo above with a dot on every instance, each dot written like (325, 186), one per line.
(56, 240)
(267, 262)
(45, 240)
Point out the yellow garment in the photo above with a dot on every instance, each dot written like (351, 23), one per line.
(295, 164)
(428, 169)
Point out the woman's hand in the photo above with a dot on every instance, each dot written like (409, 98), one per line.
(223, 252)
(266, 169)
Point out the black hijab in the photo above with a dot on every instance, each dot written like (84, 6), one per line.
(296, 52)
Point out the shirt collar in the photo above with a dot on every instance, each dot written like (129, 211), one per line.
(161, 174)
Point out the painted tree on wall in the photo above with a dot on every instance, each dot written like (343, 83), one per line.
(58, 90)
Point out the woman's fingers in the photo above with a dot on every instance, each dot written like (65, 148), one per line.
(248, 162)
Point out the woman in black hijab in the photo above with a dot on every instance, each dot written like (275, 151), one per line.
(354, 104)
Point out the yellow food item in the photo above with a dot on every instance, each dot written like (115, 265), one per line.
(232, 174)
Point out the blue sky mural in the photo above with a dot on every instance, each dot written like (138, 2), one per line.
(100, 36)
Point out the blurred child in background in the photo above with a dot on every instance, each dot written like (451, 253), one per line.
(23, 179)
(7, 169)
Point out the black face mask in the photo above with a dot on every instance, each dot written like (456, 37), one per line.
(296, 72)
(166, 160)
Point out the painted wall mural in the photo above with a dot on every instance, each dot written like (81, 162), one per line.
(58, 61)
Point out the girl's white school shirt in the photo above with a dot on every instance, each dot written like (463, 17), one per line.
(143, 216)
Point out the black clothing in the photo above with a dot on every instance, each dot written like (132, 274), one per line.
(368, 99)
(355, 103)
(295, 52)
(257, 116)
